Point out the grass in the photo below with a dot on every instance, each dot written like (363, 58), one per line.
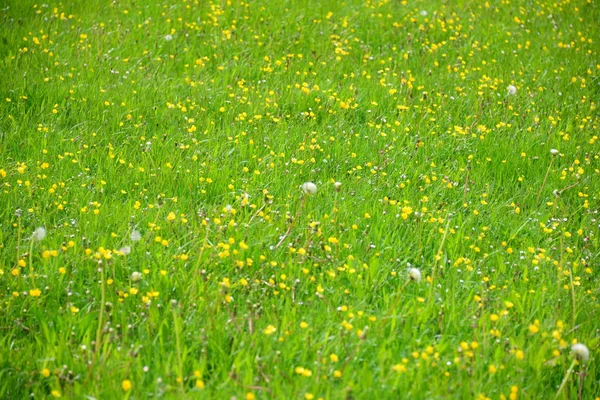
(162, 145)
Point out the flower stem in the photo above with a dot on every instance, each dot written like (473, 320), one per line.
(436, 257)
(565, 379)
(31, 273)
(176, 327)
(544, 182)
(101, 316)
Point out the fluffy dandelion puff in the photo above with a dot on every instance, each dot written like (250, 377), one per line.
(136, 236)
(309, 188)
(554, 152)
(511, 90)
(168, 38)
(39, 234)
(125, 250)
(414, 274)
(580, 352)
(337, 186)
(136, 276)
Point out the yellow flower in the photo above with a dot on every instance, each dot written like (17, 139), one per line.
(270, 330)
(399, 368)
(45, 372)
(126, 385)
(35, 292)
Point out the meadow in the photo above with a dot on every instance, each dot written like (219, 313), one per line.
(367, 199)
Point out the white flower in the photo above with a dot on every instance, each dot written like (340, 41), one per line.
(423, 13)
(554, 152)
(136, 276)
(337, 186)
(39, 234)
(125, 250)
(414, 274)
(309, 188)
(512, 90)
(580, 352)
(168, 38)
(136, 236)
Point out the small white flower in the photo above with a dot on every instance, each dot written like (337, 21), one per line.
(136, 276)
(168, 38)
(309, 188)
(136, 236)
(511, 90)
(414, 274)
(39, 234)
(423, 13)
(580, 352)
(125, 250)
(554, 152)
(337, 186)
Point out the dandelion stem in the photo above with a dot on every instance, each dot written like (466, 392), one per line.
(397, 302)
(31, 273)
(101, 316)
(436, 257)
(18, 238)
(176, 327)
(337, 245)
(565, 379)
(289, 230)
(466, 186)
(537, 202)
(573, 294)
(558, 274)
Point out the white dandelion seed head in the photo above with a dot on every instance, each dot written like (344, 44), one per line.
(168, 38)
(136, 236)
(554, 152)
(511, 90)
(580, 352)
(309, 188)
(337, 186)
(136, 276)
(125, 250)
(414, 274)
(39, 234)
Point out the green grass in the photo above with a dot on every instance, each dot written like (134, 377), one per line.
(251, 289)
